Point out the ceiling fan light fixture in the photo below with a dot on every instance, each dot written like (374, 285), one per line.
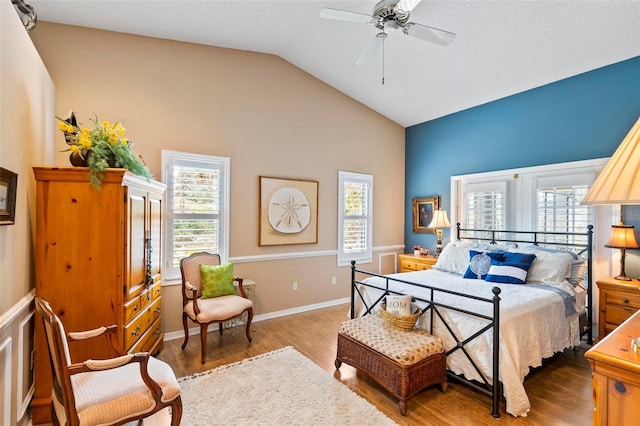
(26, 13)
(388, 16)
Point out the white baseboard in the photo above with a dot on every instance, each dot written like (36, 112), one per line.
(196, 330)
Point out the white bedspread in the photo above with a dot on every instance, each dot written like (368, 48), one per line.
(533, 326)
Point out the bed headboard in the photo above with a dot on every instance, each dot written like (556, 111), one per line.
(580, 243)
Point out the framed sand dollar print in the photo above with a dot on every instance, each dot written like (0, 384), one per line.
(288, 211)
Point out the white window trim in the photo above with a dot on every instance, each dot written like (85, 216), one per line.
(520, 188)
(167, 158)
(523, 201)
(366, 256)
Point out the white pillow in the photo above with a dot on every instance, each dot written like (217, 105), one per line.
(548, 267)
(453, 258)
(578, 271)
(399, 305)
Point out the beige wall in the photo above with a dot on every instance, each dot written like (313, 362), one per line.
(27, 103)
(268, 116)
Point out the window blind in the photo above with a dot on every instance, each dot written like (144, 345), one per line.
(355, 221)
(197, 196)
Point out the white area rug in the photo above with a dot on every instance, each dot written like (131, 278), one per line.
(282, 387)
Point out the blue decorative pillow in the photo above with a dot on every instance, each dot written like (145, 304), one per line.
(512, 270)
(526, 258)
(507, 272)
(479, 263)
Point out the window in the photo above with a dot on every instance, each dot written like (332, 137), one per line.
(485, 205)
(558, 207)
(197, 202)
(540, 198)
(355, 218)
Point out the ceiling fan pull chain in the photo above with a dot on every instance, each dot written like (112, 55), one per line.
(383, 60)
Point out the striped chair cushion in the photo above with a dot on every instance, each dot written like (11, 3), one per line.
(107, 397)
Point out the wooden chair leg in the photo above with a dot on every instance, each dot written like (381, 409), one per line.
(176, 411)
(203, 341)
(249, 319)
(54, 417)
(186, 330)
(220, 327)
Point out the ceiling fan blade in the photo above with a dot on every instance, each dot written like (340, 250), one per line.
(407, 5)
(344, 15)
(434, 35)
(369, 52)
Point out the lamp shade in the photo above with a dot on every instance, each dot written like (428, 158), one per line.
(622, 236)
(619, 181)
(440, 219)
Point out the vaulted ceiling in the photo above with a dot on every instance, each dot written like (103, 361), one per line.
(501, 47)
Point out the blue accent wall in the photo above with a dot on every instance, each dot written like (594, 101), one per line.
(578, 118)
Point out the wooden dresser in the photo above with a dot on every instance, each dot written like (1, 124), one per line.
(618, 301)
(411, 262)
(616, 376)
(98, 262)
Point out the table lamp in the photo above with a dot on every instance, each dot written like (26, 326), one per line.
(439, 221)
(622, 237)
(619, 183)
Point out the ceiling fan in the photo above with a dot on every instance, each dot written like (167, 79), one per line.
(389, 16)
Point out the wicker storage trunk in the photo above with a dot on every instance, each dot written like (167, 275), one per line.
(403, 381)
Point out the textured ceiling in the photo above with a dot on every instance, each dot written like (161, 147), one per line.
(501, 48)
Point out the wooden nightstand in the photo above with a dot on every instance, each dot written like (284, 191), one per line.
(616, 376)
(618, 301)
(411, 262)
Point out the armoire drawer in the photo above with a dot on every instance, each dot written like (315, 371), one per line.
(148, 339)
(155, 291)
(131, 309)
(139, 325)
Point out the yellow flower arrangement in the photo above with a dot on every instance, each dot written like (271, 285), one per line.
(105, 145)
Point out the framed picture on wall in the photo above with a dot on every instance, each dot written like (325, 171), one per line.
(8, 184)
(288, 211)
(423, 208)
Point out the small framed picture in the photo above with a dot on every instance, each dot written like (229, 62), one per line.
(8, 184)
(423, 208)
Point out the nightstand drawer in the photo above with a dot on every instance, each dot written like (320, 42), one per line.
(408, 265)
(623, 299)
(409, 262)
(619, 299)
(616, 315)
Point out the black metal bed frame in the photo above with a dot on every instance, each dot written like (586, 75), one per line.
(492, 389)
(537, 238)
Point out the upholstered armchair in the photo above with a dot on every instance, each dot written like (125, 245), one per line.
(111, 391)
(209, 296)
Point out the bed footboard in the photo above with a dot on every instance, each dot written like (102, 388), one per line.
(432, 310)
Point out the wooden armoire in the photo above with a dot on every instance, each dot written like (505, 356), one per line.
(98, 262)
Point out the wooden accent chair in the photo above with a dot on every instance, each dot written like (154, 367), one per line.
(111, 391)
(210, 310)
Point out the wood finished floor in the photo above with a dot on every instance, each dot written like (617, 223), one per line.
(560, 392)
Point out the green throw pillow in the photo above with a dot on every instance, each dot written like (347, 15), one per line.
(217, 280)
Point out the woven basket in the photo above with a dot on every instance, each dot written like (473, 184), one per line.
(402, 322)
